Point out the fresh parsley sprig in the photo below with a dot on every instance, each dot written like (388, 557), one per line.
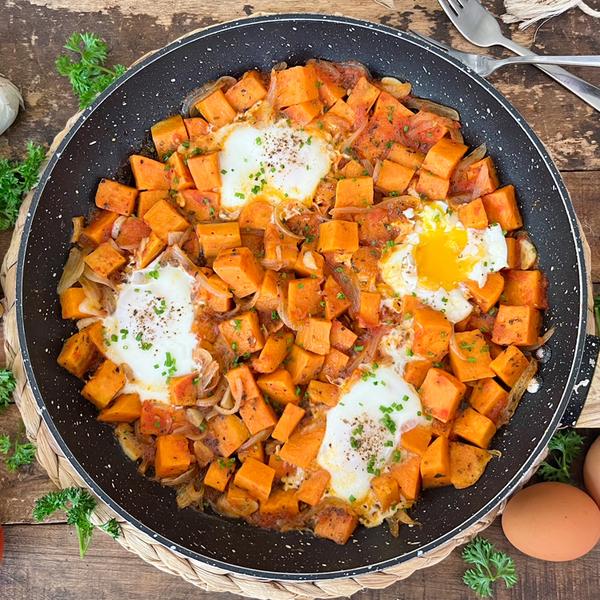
(16, 178)
(7, 387)
(88, 76)
(79, 505)
(568, 444)
(490, 565)
(23, 454)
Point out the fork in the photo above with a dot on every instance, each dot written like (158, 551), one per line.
(480, 27)
(484, 65)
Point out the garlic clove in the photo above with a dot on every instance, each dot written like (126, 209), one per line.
(10, 100)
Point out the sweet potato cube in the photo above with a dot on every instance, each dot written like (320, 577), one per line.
(280, 247)
(442, 393)
(280, 502)
(416, 440)
(204, 455)
(230, 432)
(501, 207)
(304, 296)
(303, 446)
(257, 414)
(216, 109)
(336, 523)
(303, 113)
(311, 490)
(435, 464)
(267, 293)
(240, 270)
(168, 135)
(149, 174)
(96, 333)
(99, 230)
(149, 198)
(368, 309)
(333, 366)
(408, 306)
(278, 386)
(330, 93)
(415, 372)
(513, 253)
(309, 263)
(255, 215)
(197, 127)
(407, 157)
(156, 418)
(518, 325)
(471, 359)
(289, 420)
(173, 456)
(467, 464)
(336, 302)
(180, 177)
(474, 428)
(407, 474)
(276, 347)
(473, 215)
(394, 177)
(217, 303)
(256, 451)
(320, 392)
(215, 237)
(443, 157)
(108, 380)
(117, 197)
(353, 169)
(314, 335)
(432, 187)
(105, 260)
(525, 288)
(341, 337)
(338, 236)
(243, 330)
(509, 365)
(386, 490)
(70, 303)
(342, 110)
(219, 473)
(126, 408)
(246, 92)
(205, 171)
(362, 96)
(78, 354)
(432, 334)
(132, 232)
(439, 428)
(303, 365)
(281, 467)
(241, 383)
(357, 191)
(183, 390)
(152, 248)
(489, 294)
(255, 477)
(163, 218)
(296, 85)
(489, 398)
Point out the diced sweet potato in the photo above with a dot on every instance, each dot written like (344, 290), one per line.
(132, 232)
(240, 270)
(489, 294)
(246, 92)
(153, 246)
(168, 135)
(173, 456)
(386, 490)
(415, 372)
(78, 354)
(435, 464)
(432, 334)
(163, 218)
(518, 325)
(314, 335)
(303, 446)
(108, 380)
(116, 197)
(219, 473)
(336, 523)
(230, 432)
(255, 451)
(407, 474)
(432, 187)
(280, 502)
(280, 247)
(274, 352)
(256, 478)
(180, 177)
(444, 156)
(304, 296)
(197, 127)
(149, 174)
(341, 337)
(303, 365)
(336, 302)
(278, 386)
(470, 358)
(416, 440)
(243, 332)
(281, 467)
(320, 392)
(217, 303)
(241, 383)
(343, 111)
(407, 157)
(362, 97)
(149, 198)
(338, 236)
(205, 171)
(473, 215)
(309, 264)
(257, 414)
(501, 207)
(489, 398)
(70, 303)
(442, 393)
(216, 109)
(408, 305)
(513, 254)
(509, 365)
(99, 230)
(467, 464)
(105, 260)
(474, 428)
(313, 487)
(156, 418)
(289, 420)
(183, 390)
(215, 237)
(296, 85)
(439, 428)
(525, 288)
(256, 215)
(330, 93)
(357, 191)
(199, 206)
(368, 309)
(334, 365)
(394, 178)
(303, 113)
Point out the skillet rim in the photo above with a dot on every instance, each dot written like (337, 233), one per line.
(536, 143)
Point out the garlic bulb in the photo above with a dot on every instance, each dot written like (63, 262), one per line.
(10, 99)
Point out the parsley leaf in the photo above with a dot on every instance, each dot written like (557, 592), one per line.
(88, 76)
(568, 444)
(7, 387)
(490, 566)
(23, 453)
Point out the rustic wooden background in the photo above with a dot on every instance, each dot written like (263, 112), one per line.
(41, 561)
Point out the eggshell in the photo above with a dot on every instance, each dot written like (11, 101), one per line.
(552, 521)
(591, 471)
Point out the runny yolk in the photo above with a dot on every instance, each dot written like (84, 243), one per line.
(437, 259)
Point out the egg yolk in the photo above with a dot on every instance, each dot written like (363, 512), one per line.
(437, 258)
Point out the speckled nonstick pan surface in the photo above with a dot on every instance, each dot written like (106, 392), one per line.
(117, 125)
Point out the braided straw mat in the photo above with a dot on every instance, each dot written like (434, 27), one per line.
(204, 576)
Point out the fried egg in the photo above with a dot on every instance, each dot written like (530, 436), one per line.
(363, 434)
(439, 255)
(150, 330)
(274, 163)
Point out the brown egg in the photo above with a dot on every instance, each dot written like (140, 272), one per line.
(591, 471)
(552, 521)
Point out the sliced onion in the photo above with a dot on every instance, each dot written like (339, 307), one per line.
(541, 340)
(72, 271)
(282, 306)
(117, 227)
(78, 225)
(368, 165)
(189, 109)
(93, 276)
(376, 169)
(454, 347)
(480, 182)
(174, 237)
(261, 436)
(396, 88)
(194, 416)
(367, 354)
(346, 279)
(188, 494)
(265, 109)
(348, 143)
(128, 371)
(225, 406)
(515, 395)
(83, 323)
(216, 397)
(349, 210)
(278, 218)
(475, 156)
(243, 509)
(183, 478)
(432, 107)
(109, 300)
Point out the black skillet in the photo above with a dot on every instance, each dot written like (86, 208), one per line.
(116, 126)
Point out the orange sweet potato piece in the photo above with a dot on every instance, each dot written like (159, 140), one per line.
(78, 354)
(216, 109)
(126, 408)
(116, 197)
(509, 365)
(501, 207)
(432, 187)
(323, 393)
(255, 215)
(473, 215)
(304, 296)
(289, 420)
(199, 206)
(467, 464)
(338, 236)
(243, 330)
(255, 477)
(246, 92)
(407, 157)
(313, 335)
(470, 359)
(132, 232)
(105, 260)
(368, 310)
(330, 93)
(336, 523)
(215, 237)
(394, 177)
(280, 502)
(156, 418)
(489, 398)
(108, 380)
(518, 325)
(407, 474)
(444, 156)
(362, 97)
(280, 247)
(343, 111)
(357, 191)
(513, 251)
(432, 334)
(205, 171)
(168, 135)
(163, 218)
(278, 386)
(416, 440)
(386, 490)
(525, 288)
(296, 85)
(303, 445)
(197, 127)
(149, 198)
(183, 390)
(219, 473)
(241, 383)
(180, 177)
(204, 455)
(336, 302)
(256, 451)
(353, 169)
(415, 372)
(276, 347)
(230, 432)
(258, 415)
(334, 365)
(303, 113)
(70, 302)
(489, 294)
(218, 303)
(408, 305)
(313, 487)
(99, 230)
(341, 337)
(442, 393)
(281, 467)
(309, 263)
(149, 174)
(173, 456)
(303, 365)
(435, 464)
(240, 270)
(474, 428)
(152, 248)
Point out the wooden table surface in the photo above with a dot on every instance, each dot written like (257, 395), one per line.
(41, 561)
